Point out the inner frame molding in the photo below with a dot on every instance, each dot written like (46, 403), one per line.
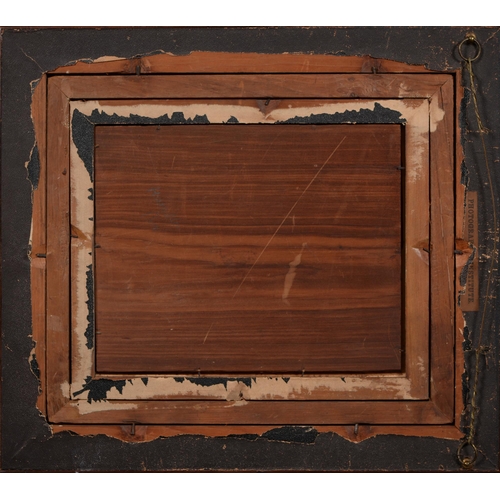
(423, 394)
(409, 383)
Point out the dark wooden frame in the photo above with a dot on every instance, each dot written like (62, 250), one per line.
(27, 440)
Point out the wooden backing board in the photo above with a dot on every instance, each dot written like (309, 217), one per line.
(248, 249)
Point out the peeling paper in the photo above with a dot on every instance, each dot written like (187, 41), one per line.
(413, 113)
(223, 113)
(348, 387)
(65, 390)
(34, 367)
(33, 167)
(108, 58)
(85, 408)
(263, 388)
(436, 114)
(82, 213)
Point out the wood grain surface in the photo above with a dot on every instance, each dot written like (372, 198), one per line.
(220, 62)
(254, 412)
(38, 239)
(442, 304)
(248, 248)
(143, 433)
(361, 86)
(58, 259)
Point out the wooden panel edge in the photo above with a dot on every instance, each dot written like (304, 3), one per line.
(57, 249)
(250, 412)
(38, 248)
(230, 62)
(356, 86)
(416, 272)
(460, 192)
(442, 251)
(138, 433)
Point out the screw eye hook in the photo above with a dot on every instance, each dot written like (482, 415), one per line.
(467, 461)
(470, 40)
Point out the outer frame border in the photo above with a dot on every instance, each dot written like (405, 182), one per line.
(82, 209)
(27, 443)
(434, 122)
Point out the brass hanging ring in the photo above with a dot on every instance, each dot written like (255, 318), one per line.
(470, 39)
(467, 461)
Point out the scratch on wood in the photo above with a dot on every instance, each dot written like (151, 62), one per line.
(206, 336)
(271, 145)
(287, 215)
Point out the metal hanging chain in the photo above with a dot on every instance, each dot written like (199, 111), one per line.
(465, 457)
